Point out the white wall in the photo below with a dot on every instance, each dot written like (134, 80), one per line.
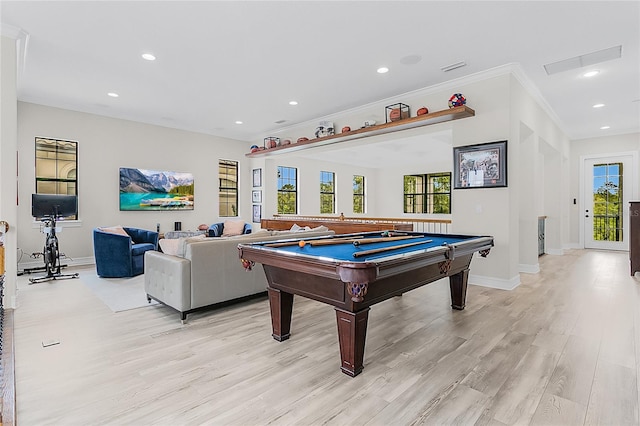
(309, 185)
(605, 146)
(105, 145)
(8, 132)
(542, 185)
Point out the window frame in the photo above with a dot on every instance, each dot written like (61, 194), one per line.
(425, 194)
(359, 195)
(281, 193)
(327, 194)
(233, 165)
(56, 181)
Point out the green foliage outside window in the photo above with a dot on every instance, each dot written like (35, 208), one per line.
(358, 194)
(607, 202)
(287, 190)
(427, 193)
(327, 192)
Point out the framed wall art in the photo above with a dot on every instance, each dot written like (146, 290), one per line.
(153, 190)
(480, 166)
(256, 196)
(257, 213)
(257, 178)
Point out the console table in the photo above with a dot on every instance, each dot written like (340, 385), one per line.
(336, 225)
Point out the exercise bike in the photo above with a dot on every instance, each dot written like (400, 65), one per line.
(51, 254)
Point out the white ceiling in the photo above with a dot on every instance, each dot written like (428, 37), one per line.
(218, 62)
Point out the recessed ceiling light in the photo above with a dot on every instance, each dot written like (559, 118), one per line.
(238, 122)
(598, 105)
(383, 70)
(293, 103)
(113, 94)
(605, 127)
(148, 57)
(591, 73)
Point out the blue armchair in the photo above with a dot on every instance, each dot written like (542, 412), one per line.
(217, 229)
(119, 255)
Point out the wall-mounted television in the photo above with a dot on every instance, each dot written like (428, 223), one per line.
(53, 205)
(154, 190)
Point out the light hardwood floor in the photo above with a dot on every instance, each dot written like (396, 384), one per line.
(561, 349)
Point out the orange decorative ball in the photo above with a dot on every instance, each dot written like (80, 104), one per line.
(302, 243)
(397, 114)
(423, 111)
(346, 129)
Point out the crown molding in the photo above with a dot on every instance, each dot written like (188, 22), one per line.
(22, 42)
(10, 31)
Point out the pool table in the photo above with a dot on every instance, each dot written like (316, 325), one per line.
(355, 271)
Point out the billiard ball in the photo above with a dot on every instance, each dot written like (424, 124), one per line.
(302, 244)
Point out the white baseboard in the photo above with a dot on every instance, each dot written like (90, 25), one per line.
(570, 246)
(529, 269)
(555, 252)
(36, 263)
(492, 282)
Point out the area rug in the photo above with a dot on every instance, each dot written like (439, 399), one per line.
(119, 294)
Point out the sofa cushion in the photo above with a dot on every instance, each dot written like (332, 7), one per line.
(183, 242)
(138, 249)
(232, 227)
(169, 245)
(115, 230)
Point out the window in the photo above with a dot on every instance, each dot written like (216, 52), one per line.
(228, 188)
(428, 193)
(327, 192)
(287, 190)
(358, 194)
(56, 167)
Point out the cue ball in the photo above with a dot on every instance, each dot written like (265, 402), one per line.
(302, 244)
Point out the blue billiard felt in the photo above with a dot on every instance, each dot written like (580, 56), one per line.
(344, 252)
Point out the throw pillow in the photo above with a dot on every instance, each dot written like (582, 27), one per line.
(115, 230)
(232, 227)
(169, 245)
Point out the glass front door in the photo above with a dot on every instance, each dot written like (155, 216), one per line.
(606, 196)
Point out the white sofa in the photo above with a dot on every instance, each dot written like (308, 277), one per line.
(206, 271)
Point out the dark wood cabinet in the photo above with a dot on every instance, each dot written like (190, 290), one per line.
(634, 232)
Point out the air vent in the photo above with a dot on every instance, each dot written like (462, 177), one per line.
(584, 60)
(452, 67)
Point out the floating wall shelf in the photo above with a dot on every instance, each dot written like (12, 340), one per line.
(450, 114)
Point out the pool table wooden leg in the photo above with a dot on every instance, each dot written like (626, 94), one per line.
(458, 284)
(281, 305)
(352, 333)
